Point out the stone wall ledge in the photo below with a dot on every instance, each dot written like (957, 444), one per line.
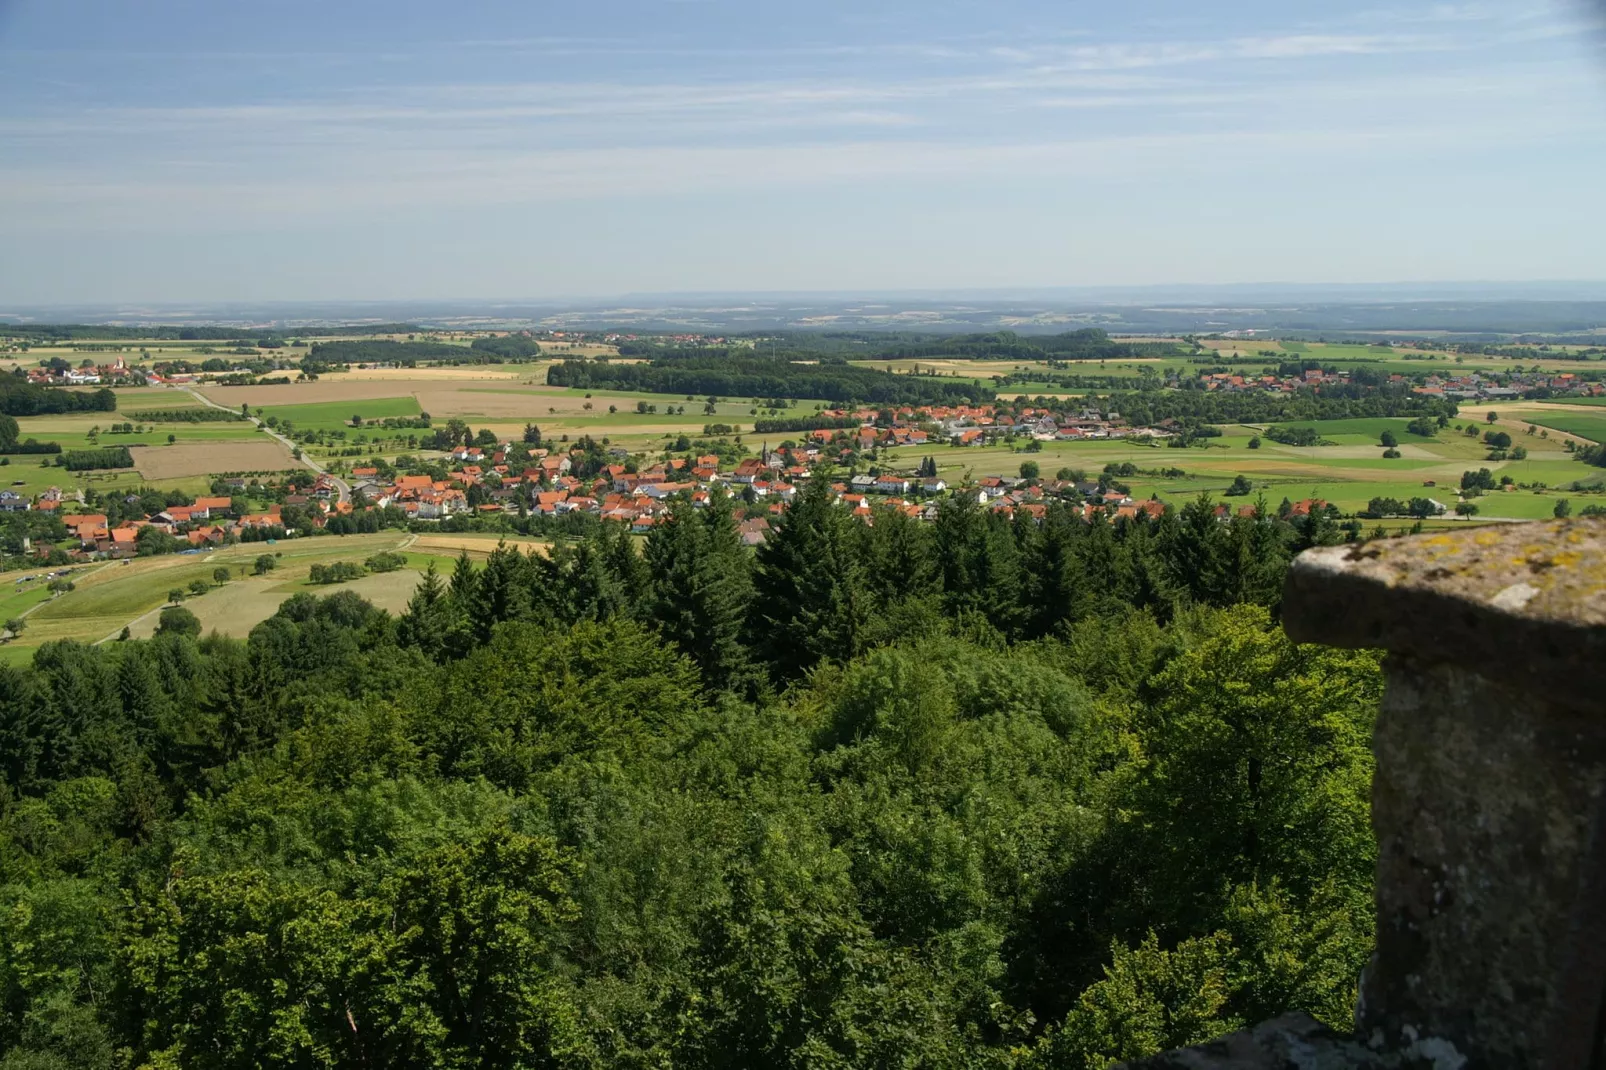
(1299, 1042)
(1522, 602)
(1488, 800)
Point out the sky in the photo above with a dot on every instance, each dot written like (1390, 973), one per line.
(195, 151)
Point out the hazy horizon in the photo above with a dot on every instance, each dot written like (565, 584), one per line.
(176, 153)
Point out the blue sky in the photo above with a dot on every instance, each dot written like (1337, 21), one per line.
(196, 150)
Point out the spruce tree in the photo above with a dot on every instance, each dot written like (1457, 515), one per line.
(701, 583)
(464, 581)
(581, 585)
(980, 564)
(431, 622)
(1053, 595)
(810, 600)
(501, 591)
(900, 558)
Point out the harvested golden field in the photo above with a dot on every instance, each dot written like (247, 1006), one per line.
(477, 397)
(304, 393)
(478, 545)
(479, 373)
(133, 399)
(210, 458)
(435, 389)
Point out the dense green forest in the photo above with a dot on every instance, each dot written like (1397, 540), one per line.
(101, 457)
(727, 373)
(963, 794)
(513, 347)
(385, 351)
(1086, 344)
(19, 397)
(1089, 343)
(1259, 406)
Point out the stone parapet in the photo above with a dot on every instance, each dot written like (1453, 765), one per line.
(1489, 800)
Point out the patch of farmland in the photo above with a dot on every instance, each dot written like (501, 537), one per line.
(476, 544)
(478, 373)
(263, 454)
(325, 389)
(1583, 425)
(331, 415)
(240, 605)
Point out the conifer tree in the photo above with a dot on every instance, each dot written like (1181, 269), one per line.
(463, 581)
(701, 582)
(582, 585)
(900, 558)
(501, 591)
(810, 599)
(431, 622)
(627, 565)
(1050, 570)
(980, 565)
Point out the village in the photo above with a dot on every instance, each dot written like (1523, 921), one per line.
(1471, 386)
(550, 481)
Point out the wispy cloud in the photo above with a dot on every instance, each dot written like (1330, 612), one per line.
(973, 106)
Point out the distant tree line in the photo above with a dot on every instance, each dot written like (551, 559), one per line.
(104, 457)
(1090, 343)
(804, 423)
(1258, 406)
(511, 347)
(61, 332)
(1294, 436)
(386, 351)
(199, 415)
(725, 373)
(19, 397)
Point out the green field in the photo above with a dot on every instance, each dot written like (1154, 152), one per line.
(23, 598)
(123, 591)
(1368, 430)
(1584, 426)
(128, 593)
(1349, 472)
(336, 415)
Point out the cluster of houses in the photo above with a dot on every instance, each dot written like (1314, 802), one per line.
(488, 481)
(118, 373)
(209, 521)
(1475, 386)
(1472, 386)
(500, 479)
(88, 374)
(1311, 378)
(967, 425)
(545, 485)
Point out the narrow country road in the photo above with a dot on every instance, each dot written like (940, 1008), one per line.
(340, 484)
(75, 577)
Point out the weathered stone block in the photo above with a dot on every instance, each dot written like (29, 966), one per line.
(1490, 784)
(1489, 801)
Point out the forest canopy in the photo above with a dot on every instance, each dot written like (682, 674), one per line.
(725, 373)
(962, 794)
(19, 397)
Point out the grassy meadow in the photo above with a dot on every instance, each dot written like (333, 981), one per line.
(131, 593)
